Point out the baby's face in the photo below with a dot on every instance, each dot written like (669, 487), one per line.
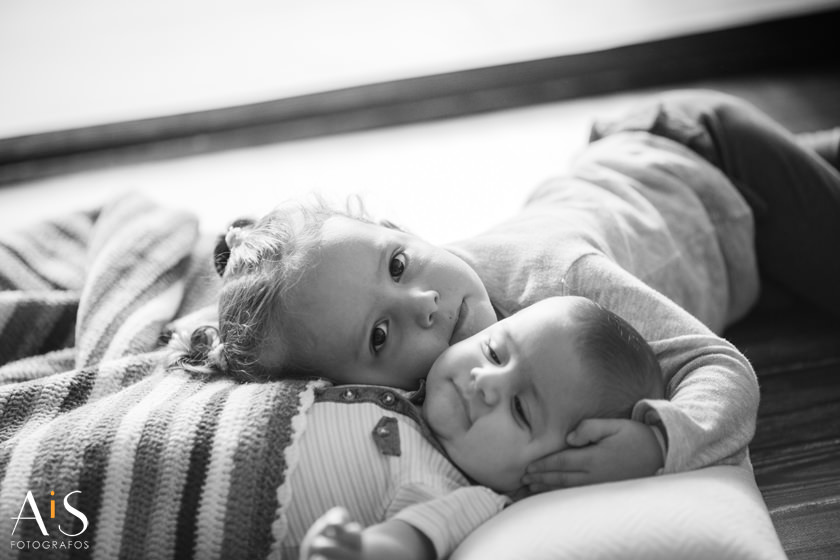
(380, 305)
(509, 395)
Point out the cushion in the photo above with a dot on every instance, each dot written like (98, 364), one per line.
(712, 513)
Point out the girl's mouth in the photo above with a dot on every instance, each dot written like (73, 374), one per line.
(457, 335)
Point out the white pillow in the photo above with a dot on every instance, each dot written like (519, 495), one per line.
(714, 513)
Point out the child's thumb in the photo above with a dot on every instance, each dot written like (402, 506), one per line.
(577, 438)
(337, 516)
(588, 431)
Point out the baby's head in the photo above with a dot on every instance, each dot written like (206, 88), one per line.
(312, 291)
(512, 393)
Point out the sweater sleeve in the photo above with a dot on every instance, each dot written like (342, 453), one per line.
(709, 414)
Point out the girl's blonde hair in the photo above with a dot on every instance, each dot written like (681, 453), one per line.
(266, 260)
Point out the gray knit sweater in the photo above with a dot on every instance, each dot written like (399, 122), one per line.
(653, 232)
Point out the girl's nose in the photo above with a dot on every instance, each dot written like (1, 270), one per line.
(423, 306)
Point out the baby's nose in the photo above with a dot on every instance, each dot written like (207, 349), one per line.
(488, 385)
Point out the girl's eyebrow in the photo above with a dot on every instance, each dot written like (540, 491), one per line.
(362, 338)
(362, 344)
(383, 255)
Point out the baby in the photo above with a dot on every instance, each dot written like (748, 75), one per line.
(517, 391)
(523, 384)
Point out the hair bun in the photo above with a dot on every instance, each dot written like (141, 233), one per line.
(221, 252)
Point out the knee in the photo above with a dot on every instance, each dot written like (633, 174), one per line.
(707, 100)
(713, 110)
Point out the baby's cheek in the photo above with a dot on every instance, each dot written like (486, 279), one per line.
(505, 470)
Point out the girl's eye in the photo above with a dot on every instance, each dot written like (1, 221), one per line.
(520, 411)
(378, 337)
(396, 268)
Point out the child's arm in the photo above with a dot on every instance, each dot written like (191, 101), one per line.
(711, 392)
(601, 450)
(711, 396)
(335, 537)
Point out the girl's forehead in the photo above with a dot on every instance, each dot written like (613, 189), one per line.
(343, 227)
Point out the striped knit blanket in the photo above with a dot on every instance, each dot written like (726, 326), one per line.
(103, 453)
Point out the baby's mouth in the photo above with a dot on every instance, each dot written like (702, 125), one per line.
(464, 403)
(457, 335)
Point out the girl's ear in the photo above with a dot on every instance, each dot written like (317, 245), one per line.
(221, 252)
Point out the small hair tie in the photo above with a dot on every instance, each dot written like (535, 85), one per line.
(227, 241)
(218, 356)
(233, 237)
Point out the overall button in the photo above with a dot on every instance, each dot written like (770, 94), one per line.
(388, 398)
(349, 395)
(386, 436)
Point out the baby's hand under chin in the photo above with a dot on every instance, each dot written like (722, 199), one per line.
(600, 450)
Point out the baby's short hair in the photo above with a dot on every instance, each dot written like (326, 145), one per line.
(623, 365)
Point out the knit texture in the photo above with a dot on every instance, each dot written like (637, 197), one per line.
(161, 464)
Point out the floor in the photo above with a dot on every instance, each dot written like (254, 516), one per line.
(796, 450)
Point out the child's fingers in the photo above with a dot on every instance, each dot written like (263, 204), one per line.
(568, 460)
(336, 516)
(549, 463)
(332, 536)
(350, 536)
(560, 480)
(592, 430)
(343, 546)
(328, 549)
(341, 530)
(326, 524)
(574, 464)
(546, 481)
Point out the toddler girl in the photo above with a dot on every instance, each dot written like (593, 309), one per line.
(313, 291)
(661, 220)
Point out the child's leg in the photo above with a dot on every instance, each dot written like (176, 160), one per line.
(794, 193)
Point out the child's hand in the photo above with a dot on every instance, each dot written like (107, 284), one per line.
(333, 536)
(601, 450)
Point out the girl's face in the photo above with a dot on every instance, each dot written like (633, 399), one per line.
(380, 305)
